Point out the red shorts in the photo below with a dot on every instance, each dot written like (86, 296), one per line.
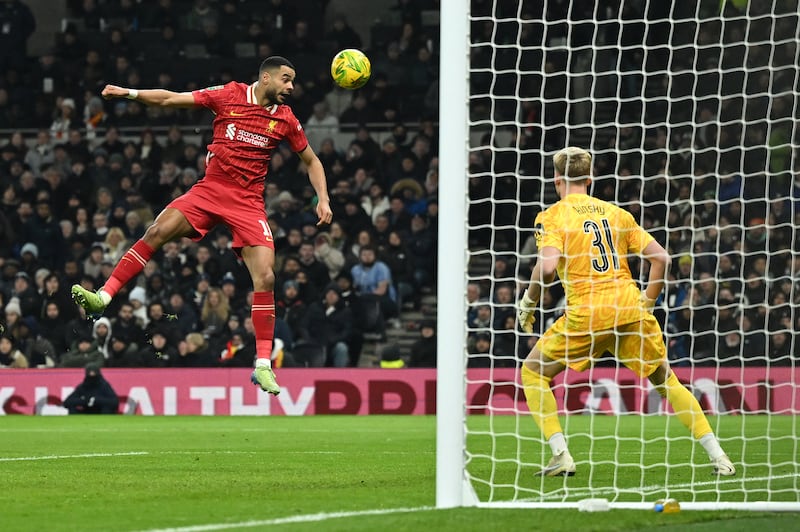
(217, 199)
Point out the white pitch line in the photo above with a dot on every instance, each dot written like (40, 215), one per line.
(309, 518)
(147, 453)
(67, 456)
(649, 489)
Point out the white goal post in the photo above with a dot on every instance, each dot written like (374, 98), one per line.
(692, 113)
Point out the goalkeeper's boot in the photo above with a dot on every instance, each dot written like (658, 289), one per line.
(91, 302)
(723, 466)
(561, 464)
(264, 376)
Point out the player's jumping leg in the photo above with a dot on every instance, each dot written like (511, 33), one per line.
(537, 372)
(170, 224)
(688, 411)
(259, 261)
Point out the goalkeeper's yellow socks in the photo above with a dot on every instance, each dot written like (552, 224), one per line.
(686, 407)
(542, 404)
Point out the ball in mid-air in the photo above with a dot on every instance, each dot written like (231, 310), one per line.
(350, 69)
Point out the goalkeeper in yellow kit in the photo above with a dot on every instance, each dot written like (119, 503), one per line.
(587, 241)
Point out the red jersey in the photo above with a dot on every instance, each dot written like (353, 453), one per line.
(245, 133)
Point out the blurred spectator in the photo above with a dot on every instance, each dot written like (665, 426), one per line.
(329, 323)
(381, 231)
(18, 24)
(353, 217)
(289, 307)
(157, 13)
(376, 201)
(185, 315)
(94, 260)
(300, 40)
(41, 154)
(342, 34)
(316, 270)
(480, 353)
(138, 300)
(352, 251)
(83, 352)
(421, 248)
(214, 314)
(236, 297)
(94, 395)
(157, 318)
(422, 72)
(395, 255)
(360, 111)
(53, 328)
(114, 245)
(361, 181)
(391, 66)
(123, 353)
(201, 12)
(94, 116)
(240, 350)
(372, 281)
(399, 218)
(391, 358)
(25, 294)
(503, 304)
(150, 151)
(423, 351)
(328, 255)
(10, 356)
(44, 232)
(194, 353)
(780, 349)
(63, 120)
(158, 352)
(286, 214)
(101, 333)
(321, 125)
(126, 326)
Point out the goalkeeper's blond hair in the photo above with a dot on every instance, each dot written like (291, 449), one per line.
(573, 164)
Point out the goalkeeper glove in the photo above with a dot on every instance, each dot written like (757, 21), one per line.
(526, 313)
(647, 304)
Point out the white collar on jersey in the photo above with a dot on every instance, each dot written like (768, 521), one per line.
(251, 98)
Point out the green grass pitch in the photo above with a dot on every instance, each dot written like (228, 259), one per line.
(123, 473)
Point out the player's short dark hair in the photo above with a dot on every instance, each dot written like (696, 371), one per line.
(274, 62)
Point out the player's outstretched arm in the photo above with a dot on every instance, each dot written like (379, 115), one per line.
(659, 261)
(316, 174)
(160, 97)
(544, 272)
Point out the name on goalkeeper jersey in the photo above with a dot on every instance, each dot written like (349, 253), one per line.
(589, 209)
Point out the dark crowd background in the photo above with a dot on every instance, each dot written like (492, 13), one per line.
(82, 177)
(689, 110)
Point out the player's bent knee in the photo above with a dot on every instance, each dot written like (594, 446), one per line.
(155, 236)
(531, 374)
(264, 281)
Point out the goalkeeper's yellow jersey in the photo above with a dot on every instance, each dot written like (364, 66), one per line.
(594, 238)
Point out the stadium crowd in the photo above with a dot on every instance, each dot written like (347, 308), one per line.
(703, 152)
(79, 191)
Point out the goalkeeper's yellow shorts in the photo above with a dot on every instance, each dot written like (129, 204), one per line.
(638, 345)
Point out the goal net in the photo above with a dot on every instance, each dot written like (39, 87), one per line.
(690, 111)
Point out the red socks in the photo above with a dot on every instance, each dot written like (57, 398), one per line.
(263, 314)
(129, 266)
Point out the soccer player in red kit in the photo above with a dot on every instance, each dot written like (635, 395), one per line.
(250, 122)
